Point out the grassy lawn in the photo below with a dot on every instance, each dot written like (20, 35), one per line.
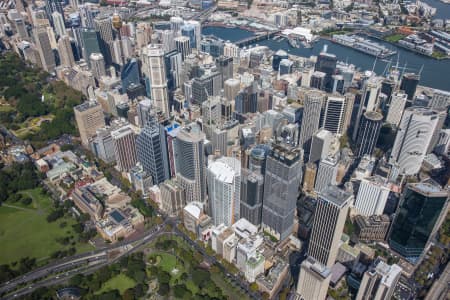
(120, 282)
(168, 263)
(394, 38)
(26, 232)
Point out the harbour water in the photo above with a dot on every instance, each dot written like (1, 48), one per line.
(435, 73)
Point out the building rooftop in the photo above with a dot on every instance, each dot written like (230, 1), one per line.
(335, 195)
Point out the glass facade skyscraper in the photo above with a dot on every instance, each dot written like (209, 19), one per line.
(417, 219)
(130, 74)
(151, 151)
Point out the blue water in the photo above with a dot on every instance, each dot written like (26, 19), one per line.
(442, 9)
(435, 73)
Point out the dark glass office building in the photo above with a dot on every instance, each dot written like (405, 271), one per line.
(418, 218)
(130, 74)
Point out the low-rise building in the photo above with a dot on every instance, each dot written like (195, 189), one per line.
(373, 228)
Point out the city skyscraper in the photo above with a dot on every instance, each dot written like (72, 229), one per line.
(52, 6)
(89, 117)
(311, 118)
(313, 280)
(334, 118)
(151, 151)
(97, 65)
(190, 162)
(65, 52)
(421, 211)
(188, 31)
(90, 42)
(328, 225)
(103, 25)
(224, 65)
(326, 173)
(252, 191)
(396, 108)
(183, 45)
(409, 84)
(372, 196)
(326, 63)
(320, 145)
(44, 47)
(224, 189)
(413, 138)
(369, 131)
(58, 24)
(130, 74)
(124, 140)
(281, 183)
(155, 70)
(378, 283)
(172, 197)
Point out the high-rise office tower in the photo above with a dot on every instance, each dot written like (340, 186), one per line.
(320, 145)
(368, 102)
(328, 225)
(252, 190)
(124, 140)
(257, 159)
(130, 74)
(409, 84)
(21, 29)
(182, 43)
(65, 52)
(224, 188)
(151, 151)
(42, 40)
(190, 162)
(52, 6)
(175, 25)
(143, 35)
(334, 118)
(277, 58)
(172, 197)
(167, 40)
(414, 136)
(313, 280)
(102, 145)
(338, 84)
(173, 63)
(281, 183)
(90, 42)
(372, 196)
(89, 117)
(369, 130)
(396, 107)
(188, 31)
(231, 88)
(311, 118)
(286, 66)
(58, 24)
(422, 210)
(378, 283)
(197, 32)
(326, 63)
(104, 27)
(224, 65)
(155, 70)
(326, 174)
(97, 65)
(205, 86)
(440, 100)
(247, 100)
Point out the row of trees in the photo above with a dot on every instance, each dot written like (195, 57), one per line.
(16, 178)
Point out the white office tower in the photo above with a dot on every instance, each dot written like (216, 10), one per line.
(167, 39)
(124, 140)
(175, 25)
(224, 188)
(414, 136)
(328, 224)
(379, 281)
(326, 174)
(440, 100)
(398, 102)
(97, 65)
(311, 118)
(182, 44)
(143, 35)
(369, 100)
(372, 196)
(320, 145)
(58, 24)
(65, 52)
(189, 163)
(44, 47)
(231, 88)
(197, 31)
(231, 50)
(334, 119)
(155, 70)
(313, 280)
